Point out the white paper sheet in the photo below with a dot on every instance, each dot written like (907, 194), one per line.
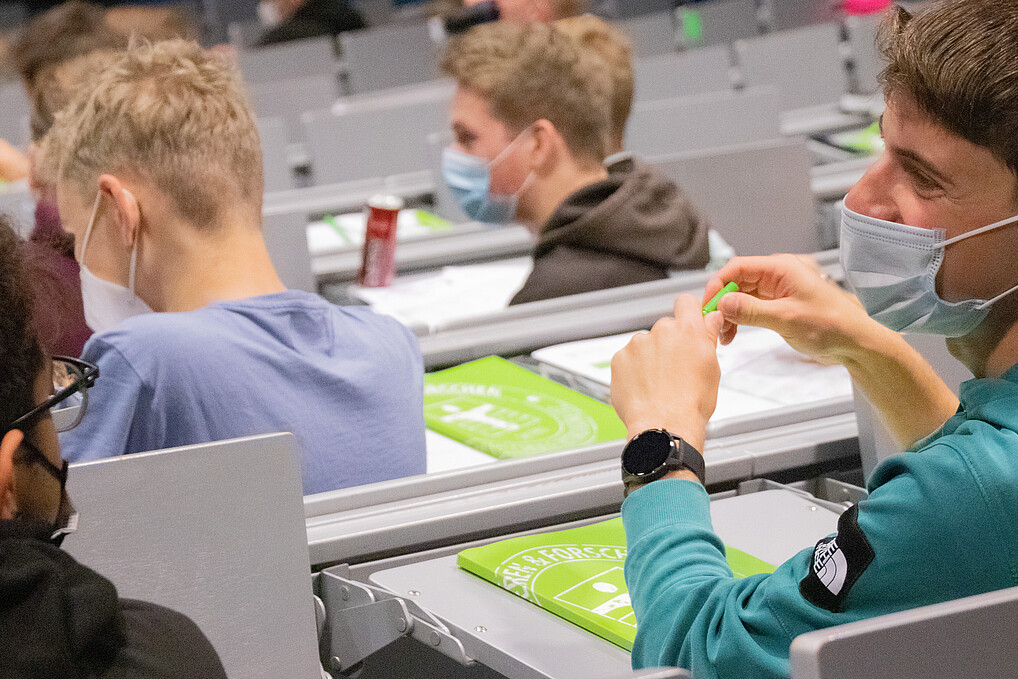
(347, 230)
(759, 372)
(444, 454)
(453, 293)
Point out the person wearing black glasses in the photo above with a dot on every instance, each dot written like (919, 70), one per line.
(58, 618)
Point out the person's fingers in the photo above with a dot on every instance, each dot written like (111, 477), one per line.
(713, 285)
(685, 305)
(742, 309)
(714, 322)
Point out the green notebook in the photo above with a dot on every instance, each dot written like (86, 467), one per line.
(577, 574)
(507, 411)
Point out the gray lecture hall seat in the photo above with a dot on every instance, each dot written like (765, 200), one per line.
(377, 136)
(970, 637)
(785, 14)
(685, 124)
(390, 56)
(289, 99)
(274, 136)
(626, 9)
(295, 59)
(215, 531)
(805, 64)
(757, 196)
(866, 60)
(718, 22)
(683, 74)
(286, 239)
(650, 34)
(14, 111)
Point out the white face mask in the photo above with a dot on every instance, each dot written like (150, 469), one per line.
(892, 268)
(107, 304)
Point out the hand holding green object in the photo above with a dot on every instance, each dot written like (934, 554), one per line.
(712, 305)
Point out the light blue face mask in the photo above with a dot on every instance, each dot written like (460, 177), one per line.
(892, 268)
(469, 180)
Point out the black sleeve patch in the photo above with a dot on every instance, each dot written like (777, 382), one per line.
(837, 563)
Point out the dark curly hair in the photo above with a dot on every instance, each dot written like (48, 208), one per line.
(21, 354)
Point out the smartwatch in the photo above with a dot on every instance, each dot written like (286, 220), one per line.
(653, 453)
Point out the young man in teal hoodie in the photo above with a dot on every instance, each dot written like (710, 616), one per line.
(929, 240)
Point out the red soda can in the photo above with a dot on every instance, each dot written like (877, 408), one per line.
(378, 265)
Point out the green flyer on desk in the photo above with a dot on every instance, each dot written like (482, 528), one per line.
(507, 411)
(577, 574)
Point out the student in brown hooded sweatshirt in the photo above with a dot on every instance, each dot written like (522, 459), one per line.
(533, 118)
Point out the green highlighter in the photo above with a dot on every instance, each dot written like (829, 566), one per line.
(712, 305)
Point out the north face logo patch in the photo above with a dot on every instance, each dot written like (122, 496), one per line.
(837, 563)
(830, 565)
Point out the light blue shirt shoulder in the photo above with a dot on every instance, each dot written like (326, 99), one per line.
(346, 381)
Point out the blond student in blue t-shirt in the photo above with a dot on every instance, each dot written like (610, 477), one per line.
(160, 181)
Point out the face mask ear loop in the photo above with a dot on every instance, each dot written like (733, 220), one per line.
(134, 263)
(497, 159)
(91, 223)
(976, 232)
(991, 302)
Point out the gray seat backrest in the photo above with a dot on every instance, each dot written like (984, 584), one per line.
(20, 207)
(390, 56)
(757, 196)
(650, 34)
(244, 34)
(215, 531)
(785, 14)
(287, 242)
(683, 74)
(625, 9)
(274, 137)
(805, 64)
(718, 22)
(373, 138)
(686, 124)
(14, 112)
(295, 59)
(866, 59)
(289, 99)
(962, 638)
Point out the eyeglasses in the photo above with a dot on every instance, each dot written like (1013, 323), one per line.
(72, 378)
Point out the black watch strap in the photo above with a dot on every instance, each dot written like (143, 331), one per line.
(679, 455)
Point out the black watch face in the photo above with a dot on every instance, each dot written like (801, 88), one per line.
(646, 452)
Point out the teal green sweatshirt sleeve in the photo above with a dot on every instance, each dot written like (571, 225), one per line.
(927, 533)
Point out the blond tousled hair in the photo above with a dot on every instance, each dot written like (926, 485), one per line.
(612, 46)
(536, 72)
(171, 113)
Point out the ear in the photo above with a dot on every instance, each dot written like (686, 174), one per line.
(126, 211)
(8, 445)
(546, 145)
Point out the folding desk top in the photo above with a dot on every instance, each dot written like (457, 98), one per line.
(518, 639)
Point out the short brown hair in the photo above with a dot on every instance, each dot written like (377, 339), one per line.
(958, 61)
(63, 33)
(57, 84)
(536, 72)
(612, 46)
(172, 113)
